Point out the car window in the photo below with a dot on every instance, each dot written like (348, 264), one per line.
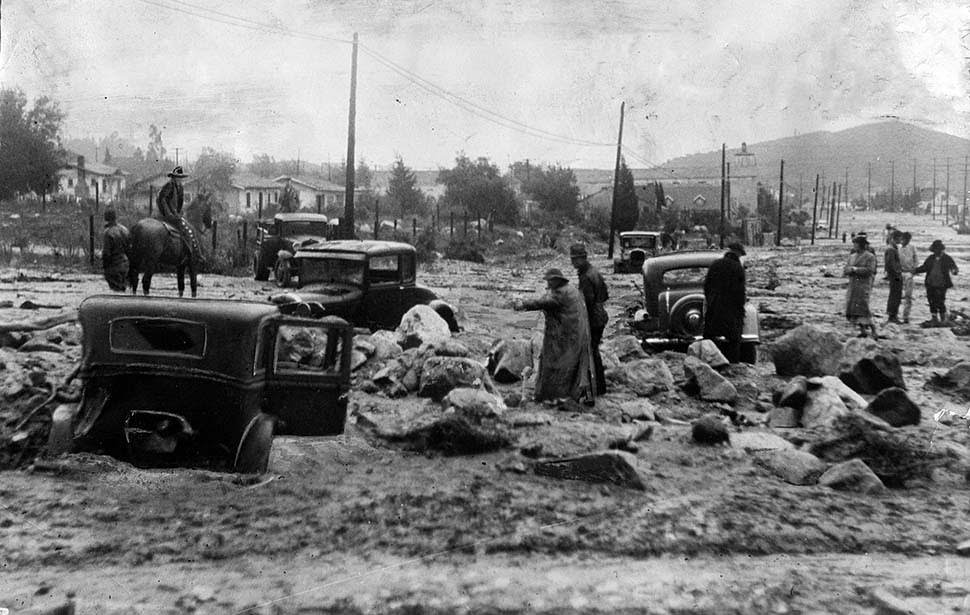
(336, 269)
(383, 269)
(157, 336)
(305, 227)
(684, 276)
(649, 242)
(308, 349)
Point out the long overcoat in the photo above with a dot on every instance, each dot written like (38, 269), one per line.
(725, 295)
(565, 367)
(860, 269)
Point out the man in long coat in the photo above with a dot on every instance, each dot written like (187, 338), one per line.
(595, 294)
(938, 267)
(114, 252)
(860, 269)
(894, 274)
(565, 367)
(724, 292)
(170, 200)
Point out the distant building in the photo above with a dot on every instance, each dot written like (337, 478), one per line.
(316, 194)
(81, 179)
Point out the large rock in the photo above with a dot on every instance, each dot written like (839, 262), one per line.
(795, 467)
(395, 419)
(475, 404)
(385, 345)
(708, 352)
(867, 367)
(956, 380)
(895, 407)
(508, 359)
(755, 441)
(711, 385)
(644, 377)
(853, 475)
(851, 399)
(808, 351)
(793, 394)
(439, 375)
(710, 430)
(624, 347)
(617, 467)
(638, 410)
(422, 325)
(822, 408)
(784, 416)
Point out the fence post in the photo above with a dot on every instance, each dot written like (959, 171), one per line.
(479, 228)
(465, 229)
(91, 239)
(151, 197)
(452, 233)
(414, 229)
(97, 197)
(245, 236)
(215, 230)
(377, 217)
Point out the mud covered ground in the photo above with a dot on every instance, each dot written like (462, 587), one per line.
(352, 524)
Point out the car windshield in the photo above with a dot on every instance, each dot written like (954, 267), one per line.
(684, 276)
(648, 242)
(311, 349)
(332, 269)
(305, 227)
(157, 336)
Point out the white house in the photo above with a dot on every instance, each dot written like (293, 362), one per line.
(81, 179)
(318, 195)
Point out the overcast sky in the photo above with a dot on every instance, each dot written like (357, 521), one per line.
(274, 76)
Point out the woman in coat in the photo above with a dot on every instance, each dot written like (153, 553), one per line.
(938, 267)
(860, 269)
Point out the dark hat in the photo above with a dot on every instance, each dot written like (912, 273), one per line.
(177, 172)
(577, 249)
(862, 234)
(555, 274)
(737, 247)
(897, 235)
(109, 215)
(907, 235)
(861, 239)
(937, 245)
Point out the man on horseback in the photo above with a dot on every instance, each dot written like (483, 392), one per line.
(170, 200)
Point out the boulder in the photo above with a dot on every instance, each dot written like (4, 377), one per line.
(852, 475)
(708, 352)
(822, 408)
(422, 325)
(474, 403)
(710, 430)
(385, 345)
(395, 419)
(783, 416)
(439, 375)
(895, 407)
(508, 359)
(638, 410)
(625, 348)
(753, 441)
(794, 394)
(807, 350)
(792, 466)
(357, 359)
(711, 385)
(617, 467)
(448, 348)
(851, 399)
(867, 367)
(363, 345)
(644, 377)
(956, 380)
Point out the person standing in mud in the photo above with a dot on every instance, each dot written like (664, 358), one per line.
(565, 366)
(894, 274)
(724, 293)
(114, 252)
(595, 294)
(938, 267)
(860, 269)
(170, 200)
(908, 261)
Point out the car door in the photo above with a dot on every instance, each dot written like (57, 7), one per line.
(384, 294)
(308, 375)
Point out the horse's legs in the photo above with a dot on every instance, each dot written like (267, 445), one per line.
(193, 279)
(146, 281)
(180, 278)
(133, 281)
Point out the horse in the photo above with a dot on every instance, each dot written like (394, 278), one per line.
(153, 244)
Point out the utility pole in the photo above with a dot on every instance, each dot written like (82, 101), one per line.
(781, 199)
(963, 219)
(946, 211)
(892, 185)
(832, 209)
(869, 188)
(814, 209)
(933, 200)
(177, 156)
(843, 191)
(800, 201)
(348, 222)
(914, 176)
(723, 188)
(616, 180)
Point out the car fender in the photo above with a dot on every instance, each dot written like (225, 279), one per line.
(284, 255)
(668, 309)
(751, 330)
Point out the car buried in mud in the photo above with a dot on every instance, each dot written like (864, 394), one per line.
(635, 248)
(673, 303)
(370, 283)
(279, 240)
(204, 381)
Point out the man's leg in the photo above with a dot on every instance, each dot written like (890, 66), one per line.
(596, 334)
(907, 295)
(895, 295)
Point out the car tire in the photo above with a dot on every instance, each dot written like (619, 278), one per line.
(253, 454)
(260, 272)
(749, 353)
(281, 273)
(687, 319)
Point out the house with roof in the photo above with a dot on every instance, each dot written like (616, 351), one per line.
(80, 179)
(316, 194)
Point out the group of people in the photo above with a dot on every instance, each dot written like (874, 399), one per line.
(901, 265)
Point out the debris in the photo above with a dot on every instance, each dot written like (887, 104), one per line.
(808, 351)
(40, 325)
(708, 352)
(474, 403)
(644, 377)
(509, 358)
(711, 386)
(784, 416)
(760, 441)
(853, 475)
(710, 430)
(794, 467)
(794, 394)
(616, 467)
(866, 367)
(422, 325)
(439, 375)
(895, 407)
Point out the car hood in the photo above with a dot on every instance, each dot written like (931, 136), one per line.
(299, 241)
(329, 293)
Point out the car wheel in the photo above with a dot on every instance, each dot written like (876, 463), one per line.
(688, 319)
(282, 273)
(260, 272)
(253, 454)
(749, 353)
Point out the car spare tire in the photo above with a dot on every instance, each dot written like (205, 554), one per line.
(687, 318)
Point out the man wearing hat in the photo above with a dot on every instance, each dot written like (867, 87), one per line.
(724, 294)
(894, 273)
(938, 267)
(565, 366)
(595, 294)
(114, 252)
(908, 262)
(170, 201)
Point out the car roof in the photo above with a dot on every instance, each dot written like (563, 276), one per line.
(676, 260)
(371, 247)
(300, 217)
(640, 233)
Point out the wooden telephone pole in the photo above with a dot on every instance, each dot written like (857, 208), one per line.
(781, 200)
(814, 209)
(347, 224)
(616, 182)
(723, 189)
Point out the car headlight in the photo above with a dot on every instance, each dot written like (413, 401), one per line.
(285, 298)
(641, 315)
